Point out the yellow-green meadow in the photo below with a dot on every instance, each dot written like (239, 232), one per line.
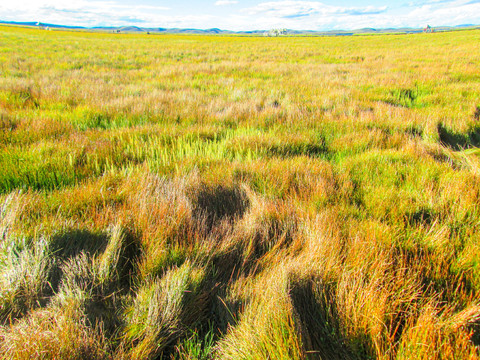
(239, 197)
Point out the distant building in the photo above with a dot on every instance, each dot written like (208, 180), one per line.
(428, 29)
(42, 26)
(275, 32)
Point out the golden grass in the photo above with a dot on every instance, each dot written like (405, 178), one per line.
(192, 197)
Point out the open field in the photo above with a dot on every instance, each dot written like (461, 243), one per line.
(194, 197)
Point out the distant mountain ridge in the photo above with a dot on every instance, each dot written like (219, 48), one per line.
(216, 31)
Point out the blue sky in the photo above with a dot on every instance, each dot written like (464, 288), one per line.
(245, 14)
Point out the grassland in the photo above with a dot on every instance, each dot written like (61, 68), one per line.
(189, 197)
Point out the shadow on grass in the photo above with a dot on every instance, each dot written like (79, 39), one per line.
(438, 280)
(68, 245)
(422, 216)
(195, 315)
(228, 268)
(319, 318)
(71, 243)
(102, 307)
(291, 150)
(218, 203)
(459, 141)
(224, 311)
(414, 131)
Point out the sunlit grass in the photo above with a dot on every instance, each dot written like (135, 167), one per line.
(227, 197)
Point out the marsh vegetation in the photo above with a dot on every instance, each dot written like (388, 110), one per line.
(191, 197)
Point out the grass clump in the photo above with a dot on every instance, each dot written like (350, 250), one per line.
(196, 347)
(52, 334)
(266, 327)
(24, 277)
(161, 309)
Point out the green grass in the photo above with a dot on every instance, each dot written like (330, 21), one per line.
(224, 197)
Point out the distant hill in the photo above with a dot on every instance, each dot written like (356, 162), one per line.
(216, 31)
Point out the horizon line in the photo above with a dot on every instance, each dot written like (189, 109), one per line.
(37, 24)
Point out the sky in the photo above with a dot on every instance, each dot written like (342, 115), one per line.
(245, 14)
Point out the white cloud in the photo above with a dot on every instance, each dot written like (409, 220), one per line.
(81, 12)
(291, 14)
(291, 9)
(225, 2)
(319, 16)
